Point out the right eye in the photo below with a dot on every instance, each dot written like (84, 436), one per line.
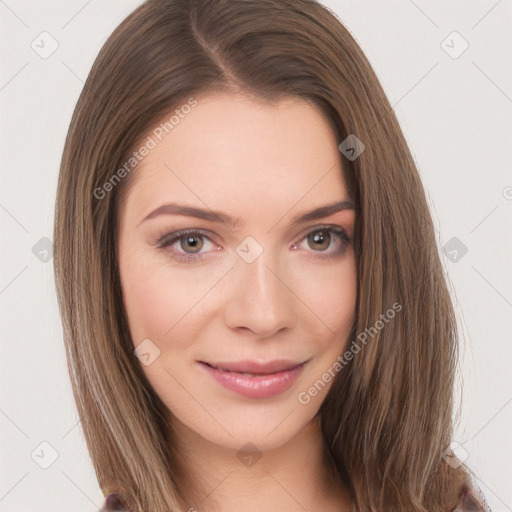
(183, 240)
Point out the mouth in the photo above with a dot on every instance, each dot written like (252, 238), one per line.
(253, 379)
(255, 368)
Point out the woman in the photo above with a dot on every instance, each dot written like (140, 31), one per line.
(254, 310)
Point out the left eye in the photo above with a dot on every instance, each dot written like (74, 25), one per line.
(321, 238)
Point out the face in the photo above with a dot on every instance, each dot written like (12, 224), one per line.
(236, 272)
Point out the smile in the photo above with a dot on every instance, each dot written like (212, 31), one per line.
(255, 380)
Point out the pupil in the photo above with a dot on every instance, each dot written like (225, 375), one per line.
(319, 236)
(193, 243)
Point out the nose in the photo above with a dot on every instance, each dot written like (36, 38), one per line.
(260, 299)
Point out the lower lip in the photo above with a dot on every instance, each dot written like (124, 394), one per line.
(260, 386)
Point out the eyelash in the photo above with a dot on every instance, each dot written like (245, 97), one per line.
(170, 239)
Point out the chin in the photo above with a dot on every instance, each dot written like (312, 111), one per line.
(263, 427)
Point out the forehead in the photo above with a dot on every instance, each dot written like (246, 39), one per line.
(232, 152)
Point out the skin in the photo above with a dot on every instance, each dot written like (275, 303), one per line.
(264, 165)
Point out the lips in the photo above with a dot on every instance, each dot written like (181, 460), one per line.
(255, 367)
(254, 379)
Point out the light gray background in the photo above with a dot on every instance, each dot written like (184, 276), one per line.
(456, 115)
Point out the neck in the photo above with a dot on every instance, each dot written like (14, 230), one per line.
(296, 476)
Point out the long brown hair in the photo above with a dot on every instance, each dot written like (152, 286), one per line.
(387, 419)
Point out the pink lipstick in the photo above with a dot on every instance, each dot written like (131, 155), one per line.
(254, 379)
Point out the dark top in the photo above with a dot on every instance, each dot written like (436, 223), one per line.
(472, 499)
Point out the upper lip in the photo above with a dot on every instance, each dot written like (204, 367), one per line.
(256, 367)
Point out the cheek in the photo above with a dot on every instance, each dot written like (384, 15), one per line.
(329, 295)
(149, 306)
(157, 300)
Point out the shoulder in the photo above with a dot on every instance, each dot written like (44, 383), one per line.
(472, 499)
(114, 503)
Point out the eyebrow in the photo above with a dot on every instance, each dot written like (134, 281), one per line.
(221, 217)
